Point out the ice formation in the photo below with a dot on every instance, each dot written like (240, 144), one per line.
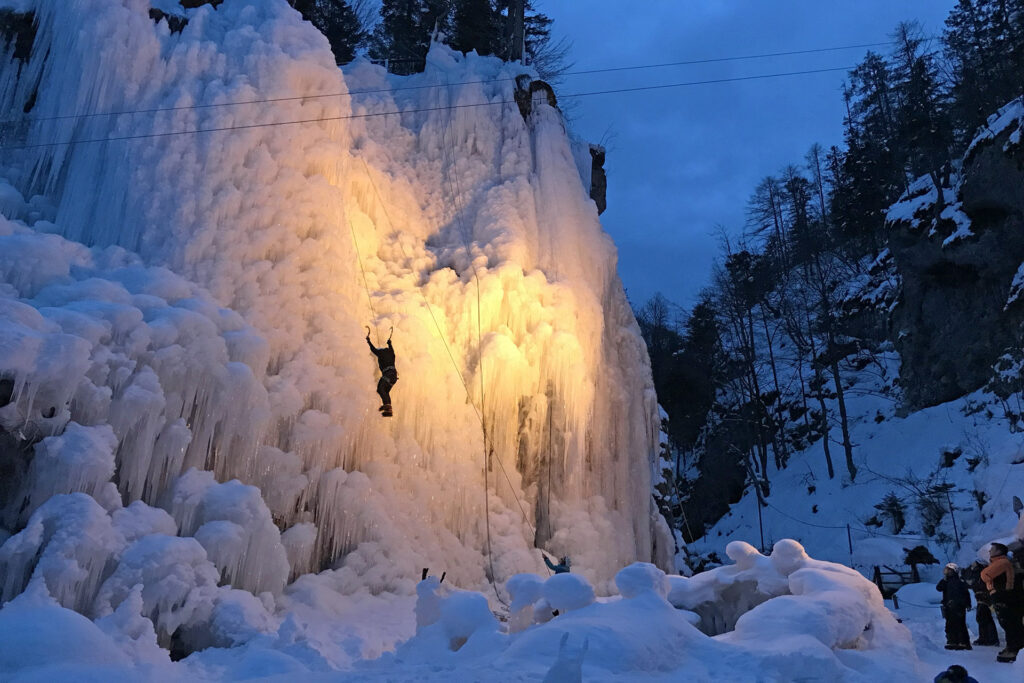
(181, 324)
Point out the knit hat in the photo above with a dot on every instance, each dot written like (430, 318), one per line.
(952, 566)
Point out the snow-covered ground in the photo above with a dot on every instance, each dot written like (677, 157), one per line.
(785, 617)
(966, 445)
(919, 612)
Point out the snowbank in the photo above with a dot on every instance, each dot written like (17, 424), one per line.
(821, 621)
(815, 620)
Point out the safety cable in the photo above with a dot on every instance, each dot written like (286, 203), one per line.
(861, 529)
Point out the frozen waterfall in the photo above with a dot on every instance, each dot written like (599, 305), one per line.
(196, 301)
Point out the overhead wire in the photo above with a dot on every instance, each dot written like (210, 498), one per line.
(371, 91)
(343, 117)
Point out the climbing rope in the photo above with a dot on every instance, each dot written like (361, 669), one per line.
(488, 450)
(459, 217)
(479, 343)
(366, 285)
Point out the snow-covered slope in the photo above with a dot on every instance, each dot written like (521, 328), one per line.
(215, 319)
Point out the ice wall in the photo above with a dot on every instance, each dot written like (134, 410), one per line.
(476, 242)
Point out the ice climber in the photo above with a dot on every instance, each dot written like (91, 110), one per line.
(1006, 600)
(956, 600)
(388, 373)
(987, 633)
(561, 568)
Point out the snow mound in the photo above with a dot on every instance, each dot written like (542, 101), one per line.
(38, 633)
(566, 592)
(642, 577)
(823, 622)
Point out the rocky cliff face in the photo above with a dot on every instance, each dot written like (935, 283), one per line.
(958, 267)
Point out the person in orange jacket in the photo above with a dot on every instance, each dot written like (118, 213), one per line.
(1000, 579)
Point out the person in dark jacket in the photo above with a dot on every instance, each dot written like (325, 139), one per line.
(987, 633)
(561, 568)
(999, 578)
(955, 674)
(388, 374)
(956, 600)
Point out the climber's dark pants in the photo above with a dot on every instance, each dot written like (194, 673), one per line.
(387, 380)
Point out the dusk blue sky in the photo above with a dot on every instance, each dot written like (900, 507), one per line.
(683, 161)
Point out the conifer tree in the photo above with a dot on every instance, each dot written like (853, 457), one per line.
(984, 45)
(476, 26)
(402, 37)
(339, 22)
(924, 133)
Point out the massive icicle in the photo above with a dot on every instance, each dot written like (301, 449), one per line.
(477, 240)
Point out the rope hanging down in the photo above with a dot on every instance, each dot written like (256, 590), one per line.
(456, 196)
(366, 285)
(488, 450)
(480, 349)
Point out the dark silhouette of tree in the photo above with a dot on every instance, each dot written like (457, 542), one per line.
(924, 131)
(476, 26)
(339, 22)
(984, 47)
(402, 37)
